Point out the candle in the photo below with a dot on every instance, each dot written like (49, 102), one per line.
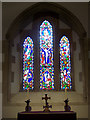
(27, 93)
(65, 92)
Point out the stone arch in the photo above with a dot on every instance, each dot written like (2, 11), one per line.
(26, 17)
(66, 16)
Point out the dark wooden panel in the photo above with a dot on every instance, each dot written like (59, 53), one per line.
(55, 115)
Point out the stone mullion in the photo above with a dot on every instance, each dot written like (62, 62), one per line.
(56, 54)
(35, 38)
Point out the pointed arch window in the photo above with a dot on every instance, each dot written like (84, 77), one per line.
(46, 56)
(65, 63)
(28, 64)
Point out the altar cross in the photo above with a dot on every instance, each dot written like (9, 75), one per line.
(46, 107)
(46, 98)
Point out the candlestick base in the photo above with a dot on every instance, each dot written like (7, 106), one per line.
(67, 107)
(28, 108)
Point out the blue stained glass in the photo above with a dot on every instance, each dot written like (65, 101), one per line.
(65, 63)
(46, 56)
(28, 54)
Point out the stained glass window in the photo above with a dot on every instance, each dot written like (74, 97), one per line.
(46, 56)
(28, 82)
(65, 63)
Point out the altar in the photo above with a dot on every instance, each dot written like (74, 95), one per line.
(46, 113)
(40, 115)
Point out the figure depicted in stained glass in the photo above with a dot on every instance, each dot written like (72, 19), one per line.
(65, 63)
(46, 56)
(28, 82)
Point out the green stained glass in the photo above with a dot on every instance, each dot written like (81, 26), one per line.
(28, 76)
(65, 63)
(46, 56)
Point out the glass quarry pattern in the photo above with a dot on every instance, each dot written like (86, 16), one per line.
(65, 63)
(28, 82)
(46, 56)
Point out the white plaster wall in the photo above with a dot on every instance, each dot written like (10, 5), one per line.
(15, 67)
(28, 27)
(62, 25)
(76, 8)
(77, 65)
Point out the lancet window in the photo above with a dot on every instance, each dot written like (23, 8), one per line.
(28, 64)
(65, 63)
(46, 56)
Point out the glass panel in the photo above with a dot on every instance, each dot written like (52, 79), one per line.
(65, 63)
(46, 56)
(28, 64)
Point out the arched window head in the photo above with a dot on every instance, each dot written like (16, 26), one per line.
(28, 78)
(46, 56)
(65, 63)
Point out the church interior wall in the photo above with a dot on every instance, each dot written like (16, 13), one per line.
(77, 8)
(0, 60)
(77, 62)
(16, 102)
(81, 12)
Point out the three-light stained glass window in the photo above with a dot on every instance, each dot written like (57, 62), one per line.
(46, 56)
(65, 63)
(28, 54)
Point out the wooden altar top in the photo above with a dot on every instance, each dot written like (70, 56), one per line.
(51, 112)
